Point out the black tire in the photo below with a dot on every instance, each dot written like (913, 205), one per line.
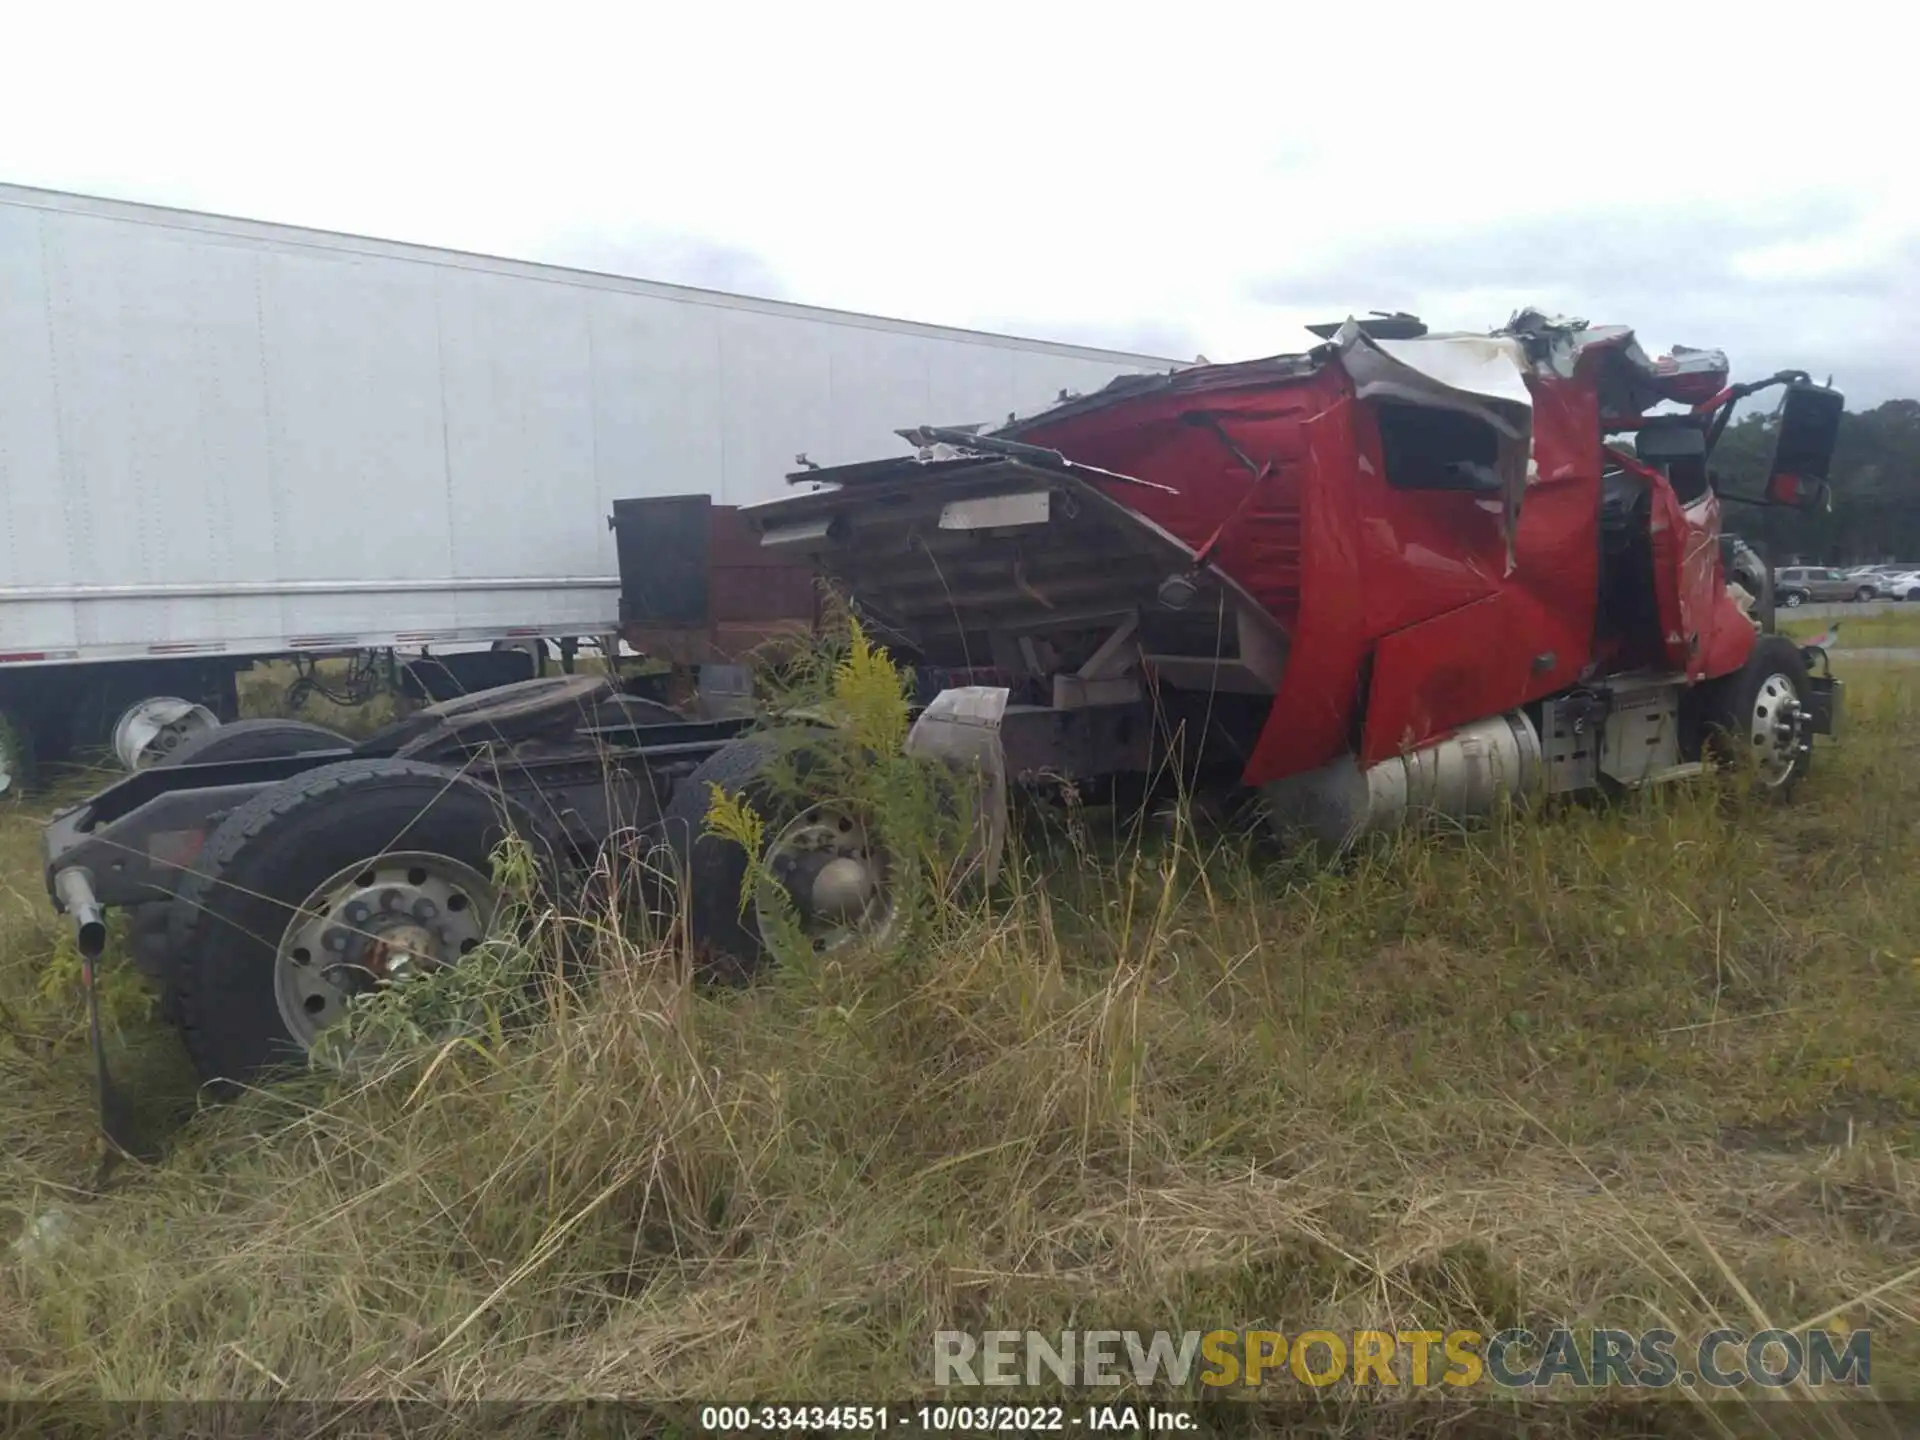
(634, 710)
(511, 712)
(535, 650)
(1729, 707)
(441, 678)
(726, 945)
(154, 922)
(1793, 599)
(1862, 595)
(266, 859)
(254, 740)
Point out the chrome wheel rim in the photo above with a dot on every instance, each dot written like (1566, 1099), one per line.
(381, 922)
(1776, 729)
(825, 871)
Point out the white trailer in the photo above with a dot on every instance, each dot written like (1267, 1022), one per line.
(223, 441)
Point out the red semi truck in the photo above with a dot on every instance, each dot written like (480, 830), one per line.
(1401, 572)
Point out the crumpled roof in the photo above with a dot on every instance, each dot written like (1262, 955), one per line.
(1489, 365)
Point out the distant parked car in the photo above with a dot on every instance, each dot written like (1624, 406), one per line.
(1882, 577)
(1899, 587)
(1799, 584)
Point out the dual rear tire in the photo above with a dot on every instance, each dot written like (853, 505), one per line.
(307, 892)
(319, 888)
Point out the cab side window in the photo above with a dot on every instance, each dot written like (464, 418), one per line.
(1689, 479)
(1431, 449)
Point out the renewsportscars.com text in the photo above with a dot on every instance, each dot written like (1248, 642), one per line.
(1407, 1359)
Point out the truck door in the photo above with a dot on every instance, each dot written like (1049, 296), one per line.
(1688, 584)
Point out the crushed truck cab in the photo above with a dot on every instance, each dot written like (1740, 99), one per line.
(1400, 571)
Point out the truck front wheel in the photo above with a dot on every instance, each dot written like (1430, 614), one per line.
(349, 877)
(1757, 717)
(253, 740)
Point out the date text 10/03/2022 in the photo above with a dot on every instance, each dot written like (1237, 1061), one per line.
(946, 1419)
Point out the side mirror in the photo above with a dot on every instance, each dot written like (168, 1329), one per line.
(1803, 447)
(1785, 488)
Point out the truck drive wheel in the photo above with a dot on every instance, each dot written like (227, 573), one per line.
(350, 876)
(634, 710)
(512, 712)
(832, 870)
(1757, 716)
(152, 923)
(254, 740)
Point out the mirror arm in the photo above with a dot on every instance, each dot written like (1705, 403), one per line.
(1722, 404)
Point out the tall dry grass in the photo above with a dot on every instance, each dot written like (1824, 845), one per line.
(1651, 1063)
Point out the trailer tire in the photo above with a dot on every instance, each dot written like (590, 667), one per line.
(727, 946)
(254, 740)
(1741, 712)
(271, 856)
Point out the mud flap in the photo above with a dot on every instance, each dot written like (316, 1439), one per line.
(961, 727)
(1826, 706)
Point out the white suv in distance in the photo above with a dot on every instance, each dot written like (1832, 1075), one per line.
(1904, 585)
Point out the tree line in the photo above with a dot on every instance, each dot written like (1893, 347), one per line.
(1875, 514)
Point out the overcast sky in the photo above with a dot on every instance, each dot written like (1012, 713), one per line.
(1182, 179)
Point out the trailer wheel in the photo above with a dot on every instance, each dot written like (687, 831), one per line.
(322, 887)
(17, 767)
(833, 871)
(1758, 716)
